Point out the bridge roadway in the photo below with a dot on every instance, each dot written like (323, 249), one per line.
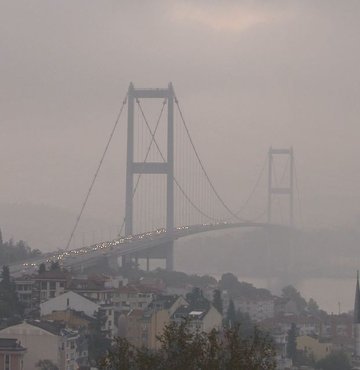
(82, 257)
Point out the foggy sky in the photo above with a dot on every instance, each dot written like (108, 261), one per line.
(248, 74)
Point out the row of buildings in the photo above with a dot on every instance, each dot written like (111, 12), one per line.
(61, 309)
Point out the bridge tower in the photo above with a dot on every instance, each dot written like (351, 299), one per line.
(161, 168)
(284, 190)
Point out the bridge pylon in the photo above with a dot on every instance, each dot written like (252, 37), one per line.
(155, 168)
(287, 190)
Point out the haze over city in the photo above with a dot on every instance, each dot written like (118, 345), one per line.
(248, 74)
(179, 174)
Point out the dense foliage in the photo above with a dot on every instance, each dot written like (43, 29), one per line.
(180, 279)
(183, 349)
(98, 341)
(9, 303)
(334, 361)
(46, 365)
(236, 288)
(291, 345)
(12, 252)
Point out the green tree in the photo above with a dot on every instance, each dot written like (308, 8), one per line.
(12, 252)
(312, 306)
(230, 319)
(246, 325)
(98, 342)
(228, 282)
(196, 298)
(120, 356)
(55, 266)
(5, 276)
(217, 300)
(334, 361)
(42, 268)
(291, 350)
(182, 348)
(46, 365)
(9, 303)
(289, 292)
(254, 353)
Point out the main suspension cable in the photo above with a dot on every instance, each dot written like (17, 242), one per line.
(202, 165)
(251, 194)
(96, 173)
(174, 178)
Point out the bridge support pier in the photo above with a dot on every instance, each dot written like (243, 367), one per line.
(170, 257)
(113, 263)
(126, 260)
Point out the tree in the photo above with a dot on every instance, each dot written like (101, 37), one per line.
(246, 325)
(230, 315)
(228, 282)
(55, 266)
(196, 298)
(291, 349)
(289, 292)
(98, 343)
(217, 300)
(5, 276)
(120, 356)
(334, 361)
(312, 306)
(12, 252)
(42, 268)
(9, 303)
(254, 353)
(46, 365)
(182, 348)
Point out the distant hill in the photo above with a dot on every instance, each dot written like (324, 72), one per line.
(48, 228)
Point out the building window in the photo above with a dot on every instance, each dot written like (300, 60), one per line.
(43, 285)
(62, 284)
(52, 285)
(7, 362)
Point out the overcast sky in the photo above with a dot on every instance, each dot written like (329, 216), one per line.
(248, 74)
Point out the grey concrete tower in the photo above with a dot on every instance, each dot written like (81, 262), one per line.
(357, 319)
(162, 168)
(287, 190)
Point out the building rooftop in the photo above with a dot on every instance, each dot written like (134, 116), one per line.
(9, 344)
(52, 275)
(191, 312)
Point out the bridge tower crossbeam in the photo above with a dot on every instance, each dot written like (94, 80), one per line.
(161, 168)
(283, 190)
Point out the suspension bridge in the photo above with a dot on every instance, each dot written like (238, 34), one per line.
(169, 193)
